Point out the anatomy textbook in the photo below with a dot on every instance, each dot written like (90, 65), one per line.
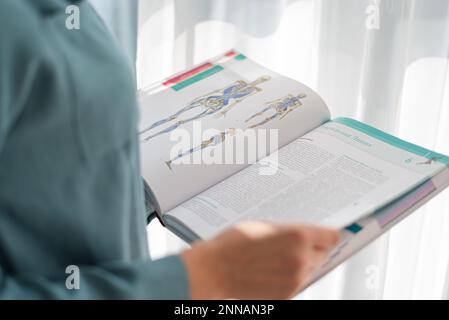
(229, 141)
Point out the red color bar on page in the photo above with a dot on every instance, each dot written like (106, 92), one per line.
(231, 53)
(188, 74)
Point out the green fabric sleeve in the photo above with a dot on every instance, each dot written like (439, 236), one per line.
(57, 208)
(17, 70)
(160, 279)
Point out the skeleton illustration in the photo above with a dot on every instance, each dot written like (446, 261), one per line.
(212, 142)
(281, 107)
(219, 100)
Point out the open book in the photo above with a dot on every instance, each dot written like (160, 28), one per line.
(230, 140)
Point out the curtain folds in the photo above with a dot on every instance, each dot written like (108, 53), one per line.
(121, 18)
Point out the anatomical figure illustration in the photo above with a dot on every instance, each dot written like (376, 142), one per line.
(276, 109)
(281, 108)
(222, 101)
(211, 142)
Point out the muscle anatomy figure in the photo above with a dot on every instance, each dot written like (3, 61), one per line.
(281, 108)
(212, 142)
(219, 100)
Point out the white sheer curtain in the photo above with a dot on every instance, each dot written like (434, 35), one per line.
(121, 17)
(391, 72)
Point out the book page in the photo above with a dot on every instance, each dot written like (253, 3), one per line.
(195, 128)
(331, 176)
(359, 235)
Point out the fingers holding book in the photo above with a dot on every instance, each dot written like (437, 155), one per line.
(258, 260)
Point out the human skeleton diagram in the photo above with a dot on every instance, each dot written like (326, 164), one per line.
(281, 107)
(222, 100)
(212, 142)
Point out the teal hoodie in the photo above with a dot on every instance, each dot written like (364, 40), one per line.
(70, 186)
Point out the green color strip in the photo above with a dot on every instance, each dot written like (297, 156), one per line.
(354, 228)
(240, 57)
(196, 78)
(392, 140)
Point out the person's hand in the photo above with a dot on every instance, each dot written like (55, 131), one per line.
(257, 260)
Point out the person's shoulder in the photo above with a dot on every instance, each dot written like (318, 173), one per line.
(15, 13)
(20, 24)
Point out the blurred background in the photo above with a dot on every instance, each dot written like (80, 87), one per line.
(384, 62)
